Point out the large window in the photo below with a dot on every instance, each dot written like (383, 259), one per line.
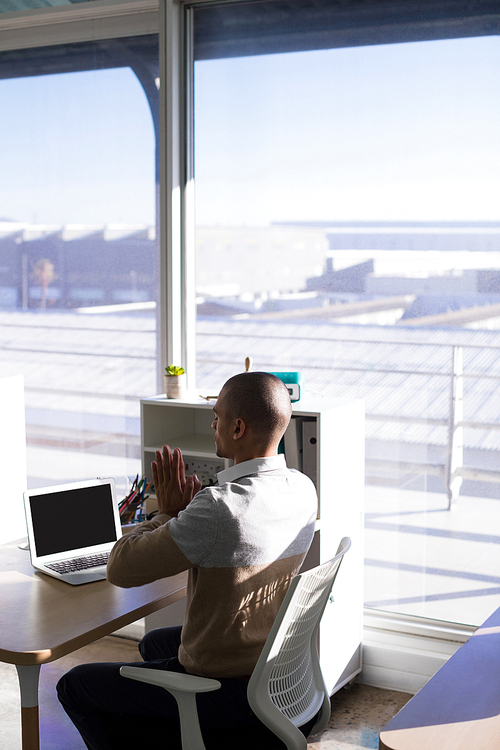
(348, 226)
(78, 250)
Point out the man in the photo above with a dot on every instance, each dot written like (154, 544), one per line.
(241, 543)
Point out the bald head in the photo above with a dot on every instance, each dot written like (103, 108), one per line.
(262, 401)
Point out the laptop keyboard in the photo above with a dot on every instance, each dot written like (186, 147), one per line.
(79, 563)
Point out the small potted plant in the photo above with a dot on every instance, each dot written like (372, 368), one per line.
(175, 381)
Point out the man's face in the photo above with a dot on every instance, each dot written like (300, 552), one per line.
(223, 428)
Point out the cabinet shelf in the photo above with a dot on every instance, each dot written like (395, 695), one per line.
(193, 445)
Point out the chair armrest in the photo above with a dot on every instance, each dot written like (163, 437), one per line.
(183, 687)
(184, 683)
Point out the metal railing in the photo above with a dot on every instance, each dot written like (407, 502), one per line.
(452, 469)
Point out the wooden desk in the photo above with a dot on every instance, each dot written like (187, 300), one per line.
(42, 619)
(459, 708)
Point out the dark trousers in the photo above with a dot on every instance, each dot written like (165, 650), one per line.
(115, 713)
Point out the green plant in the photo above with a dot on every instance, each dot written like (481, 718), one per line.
(174, 370)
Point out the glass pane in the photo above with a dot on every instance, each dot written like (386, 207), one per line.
(78, 252)
(348, 227)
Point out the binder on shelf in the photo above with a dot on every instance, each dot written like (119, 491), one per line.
(310, 449)
(293, 444)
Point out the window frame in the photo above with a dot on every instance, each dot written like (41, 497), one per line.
(80, 22)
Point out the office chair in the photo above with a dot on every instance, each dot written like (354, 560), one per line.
(286, 689)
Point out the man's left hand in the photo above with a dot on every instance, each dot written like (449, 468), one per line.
(174, 491)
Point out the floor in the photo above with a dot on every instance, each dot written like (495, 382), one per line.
(424, 560)
(358, 713)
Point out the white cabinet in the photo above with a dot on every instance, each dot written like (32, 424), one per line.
(325, 439)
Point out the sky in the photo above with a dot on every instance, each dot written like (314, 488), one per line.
(402, 132)
(389, 132)
(76, 148)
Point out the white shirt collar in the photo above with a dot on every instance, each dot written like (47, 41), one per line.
(254, 465)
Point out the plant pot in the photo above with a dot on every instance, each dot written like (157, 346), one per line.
(175, 386)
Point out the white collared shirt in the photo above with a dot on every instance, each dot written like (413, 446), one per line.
(252, 466)
(260, 512)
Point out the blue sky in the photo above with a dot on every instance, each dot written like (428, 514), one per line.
(76, 148)
(383, 132)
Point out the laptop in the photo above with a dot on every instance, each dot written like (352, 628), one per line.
(72, 529)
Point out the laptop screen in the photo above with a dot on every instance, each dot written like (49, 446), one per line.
(70, 519)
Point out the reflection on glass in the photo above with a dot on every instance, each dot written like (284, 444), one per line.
(348, 226)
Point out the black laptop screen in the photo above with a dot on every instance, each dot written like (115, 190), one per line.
(72, 519)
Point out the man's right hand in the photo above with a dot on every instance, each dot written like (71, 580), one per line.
(174, 491)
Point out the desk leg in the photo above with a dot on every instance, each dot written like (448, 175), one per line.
(28, 683)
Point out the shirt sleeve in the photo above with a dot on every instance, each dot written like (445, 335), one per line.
(195, 528)
(145, 554)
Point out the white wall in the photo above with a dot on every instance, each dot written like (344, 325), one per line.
(12, 459)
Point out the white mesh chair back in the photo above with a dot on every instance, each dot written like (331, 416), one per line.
(287, 688)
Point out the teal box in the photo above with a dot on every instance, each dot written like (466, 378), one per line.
(293, 381)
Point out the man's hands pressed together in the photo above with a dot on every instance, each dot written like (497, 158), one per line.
(174, 490)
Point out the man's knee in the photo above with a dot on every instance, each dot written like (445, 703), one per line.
(147, 644)
(69, 687)
(88, 686)
(161, 643)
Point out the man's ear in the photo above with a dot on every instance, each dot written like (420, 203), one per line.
(239, 429)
